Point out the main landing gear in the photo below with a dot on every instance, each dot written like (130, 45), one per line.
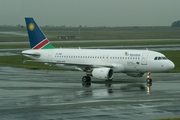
(86, 81)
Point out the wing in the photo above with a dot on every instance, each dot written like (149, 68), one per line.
(82, 66)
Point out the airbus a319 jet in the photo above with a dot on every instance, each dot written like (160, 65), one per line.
(97, 63)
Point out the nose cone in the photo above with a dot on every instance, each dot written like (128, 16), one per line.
(170, 65)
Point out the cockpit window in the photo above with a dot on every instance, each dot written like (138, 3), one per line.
(155, 58)
(160, 58)
(164, 58)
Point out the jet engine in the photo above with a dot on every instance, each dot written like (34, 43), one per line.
(135, 74)
(103, 73)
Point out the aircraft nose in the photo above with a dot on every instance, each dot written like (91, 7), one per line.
(170, 65)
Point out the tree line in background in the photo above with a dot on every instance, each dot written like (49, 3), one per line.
(176, 24)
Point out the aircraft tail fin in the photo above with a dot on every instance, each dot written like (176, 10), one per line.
(37, 38)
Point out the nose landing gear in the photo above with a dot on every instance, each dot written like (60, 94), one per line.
(149, 82)
(148, 79)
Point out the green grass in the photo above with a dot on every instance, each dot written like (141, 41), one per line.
(16, 61)
(93, 44)
(94, 33)
(173, 56)
(169, 119)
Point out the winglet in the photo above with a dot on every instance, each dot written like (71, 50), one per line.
(37, 38)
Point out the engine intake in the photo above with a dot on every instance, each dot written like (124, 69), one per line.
(103, 73)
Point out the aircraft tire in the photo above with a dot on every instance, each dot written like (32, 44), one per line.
(86, 79)
(149, 81)
(89, 78)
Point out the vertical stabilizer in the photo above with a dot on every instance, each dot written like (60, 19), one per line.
(37, 38)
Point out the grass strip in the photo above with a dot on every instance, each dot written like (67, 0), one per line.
(169, 119)
(94, 44)
(16, 61)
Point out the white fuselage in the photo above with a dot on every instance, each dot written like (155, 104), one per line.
(139, 61)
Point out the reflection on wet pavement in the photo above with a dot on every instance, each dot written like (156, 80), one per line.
(36, 94)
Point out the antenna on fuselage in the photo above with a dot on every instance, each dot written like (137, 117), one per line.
(147, 49)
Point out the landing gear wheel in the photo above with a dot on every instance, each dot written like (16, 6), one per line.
(149, 80)
(86, 79)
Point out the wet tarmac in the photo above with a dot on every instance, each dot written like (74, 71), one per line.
(60, 95)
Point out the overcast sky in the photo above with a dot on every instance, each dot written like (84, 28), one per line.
(91, 12)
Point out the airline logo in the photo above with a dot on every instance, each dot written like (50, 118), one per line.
(126, 53)
(132, 55)
(36, 37)
(31, 26)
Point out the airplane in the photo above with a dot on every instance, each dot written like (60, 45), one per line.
(96, 63)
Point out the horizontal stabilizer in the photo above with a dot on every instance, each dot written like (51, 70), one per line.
(32, 54)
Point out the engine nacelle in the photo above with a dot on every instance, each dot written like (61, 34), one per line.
(135, 74)
(103, 73)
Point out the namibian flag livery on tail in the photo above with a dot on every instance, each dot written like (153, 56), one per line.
(36, 37)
